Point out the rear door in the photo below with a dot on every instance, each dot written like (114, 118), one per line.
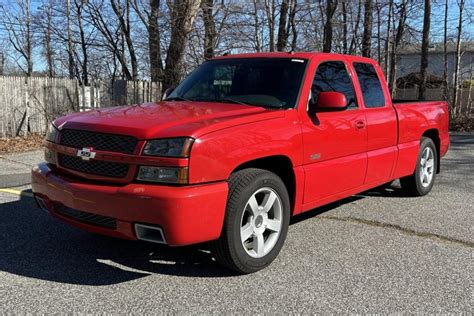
(381, 122)
(335, 143)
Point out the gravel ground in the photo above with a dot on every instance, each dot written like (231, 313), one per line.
(372, 253)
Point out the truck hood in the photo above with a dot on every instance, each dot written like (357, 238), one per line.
(166, 119)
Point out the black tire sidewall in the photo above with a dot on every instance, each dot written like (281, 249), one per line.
(425, 142)
(272, 181)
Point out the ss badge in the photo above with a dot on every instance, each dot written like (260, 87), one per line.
(86, 153)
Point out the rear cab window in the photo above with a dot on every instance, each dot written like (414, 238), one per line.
(370, 85)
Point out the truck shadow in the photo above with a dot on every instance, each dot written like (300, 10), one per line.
(34, 245)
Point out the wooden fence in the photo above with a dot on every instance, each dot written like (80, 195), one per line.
(30, 104)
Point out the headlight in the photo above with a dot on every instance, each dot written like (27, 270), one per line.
(52, 133)
(170, 147)
(163, 174)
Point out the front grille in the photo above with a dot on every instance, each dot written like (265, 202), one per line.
(98, 141)
(84, 217)
(96, 167)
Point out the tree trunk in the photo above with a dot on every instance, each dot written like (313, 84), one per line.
(379, 48)
(29, 40)
(256, 36)
(124, 20)
(85, 57)
(344, 28)
(154, 42)
(352, 47)
(458, 57)
(183, 13)
(47, 41)
(209, 28)
(270, 10)
(445, 52)
(330, 10)
(294, 31)
(367, 36)
(424, 49)
(282, 28)
(70, 48)
(387, 40)
(396, 43)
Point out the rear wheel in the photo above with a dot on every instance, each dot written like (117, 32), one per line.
(422, 180)
(256, 221)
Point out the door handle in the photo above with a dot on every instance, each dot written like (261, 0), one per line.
(360, 124)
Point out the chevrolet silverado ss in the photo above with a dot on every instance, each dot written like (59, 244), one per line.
(242, 144)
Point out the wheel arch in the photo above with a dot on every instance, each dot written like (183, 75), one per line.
(433, 134)
(280, 165)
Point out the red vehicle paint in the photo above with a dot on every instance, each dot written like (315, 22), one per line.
(324, 155)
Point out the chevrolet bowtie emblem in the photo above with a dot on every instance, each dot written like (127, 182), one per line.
(86, 153)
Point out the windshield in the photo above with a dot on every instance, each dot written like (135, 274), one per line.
(268, 82)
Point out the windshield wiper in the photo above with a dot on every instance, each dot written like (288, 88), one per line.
(229, 100)
(177, 99)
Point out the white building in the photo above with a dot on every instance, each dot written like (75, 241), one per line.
(408, 61)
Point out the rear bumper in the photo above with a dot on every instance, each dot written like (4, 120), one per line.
(187, 215)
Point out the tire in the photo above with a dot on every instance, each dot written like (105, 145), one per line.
(422, 180)
(249, 216)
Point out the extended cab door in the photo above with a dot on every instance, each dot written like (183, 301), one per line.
(381, 122)
(335, 143)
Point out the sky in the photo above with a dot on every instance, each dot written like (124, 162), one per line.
(436, 32)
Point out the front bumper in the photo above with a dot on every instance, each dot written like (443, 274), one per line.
(187, 215)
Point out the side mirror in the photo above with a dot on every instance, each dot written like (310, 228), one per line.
(167, 93)
(331, 101)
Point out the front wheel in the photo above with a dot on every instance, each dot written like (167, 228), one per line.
(256, 221)
(422, 180)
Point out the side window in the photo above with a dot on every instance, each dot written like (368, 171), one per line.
(333, 76)
(370, 85)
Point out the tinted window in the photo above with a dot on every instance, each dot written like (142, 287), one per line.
(370, 85)
(273, 82)
(333, 76)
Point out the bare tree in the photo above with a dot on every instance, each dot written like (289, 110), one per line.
(149, 19)
(209, 28)
(44, 22)
(402, 12)
(424, 49)
(445, 51)
(328, 28)
(183, 13)
(367, 36)
(292, 24)
(387, 39)
(352, 47)
(17, 22)
(270, 9)
(123, 15)
(457, 65)
(344, 27)
(70, 47)
(282, 28)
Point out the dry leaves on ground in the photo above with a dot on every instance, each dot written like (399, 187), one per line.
(21, 143)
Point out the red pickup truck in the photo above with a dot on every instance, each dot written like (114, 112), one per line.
(241, 145)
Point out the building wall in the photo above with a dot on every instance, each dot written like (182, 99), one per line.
(410, 63)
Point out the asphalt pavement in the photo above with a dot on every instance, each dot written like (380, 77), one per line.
(376, 252)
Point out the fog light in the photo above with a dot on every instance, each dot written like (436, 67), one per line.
(163, 174)
(49, 156)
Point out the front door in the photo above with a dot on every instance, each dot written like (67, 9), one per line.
(335, 143)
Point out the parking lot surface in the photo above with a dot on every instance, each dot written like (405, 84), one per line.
(376, 252)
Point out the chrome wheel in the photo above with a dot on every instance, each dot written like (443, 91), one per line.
(261, 222)
(427, 167)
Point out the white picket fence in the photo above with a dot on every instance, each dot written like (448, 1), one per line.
(28, 105)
